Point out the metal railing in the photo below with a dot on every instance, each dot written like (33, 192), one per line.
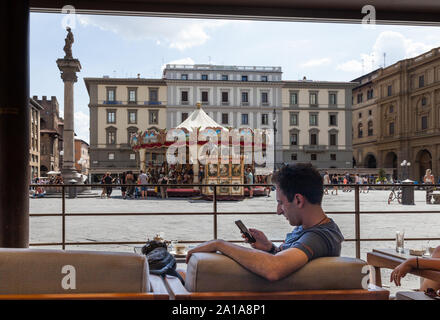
(215, 212)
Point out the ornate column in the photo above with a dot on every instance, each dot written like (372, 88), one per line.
(69, 67)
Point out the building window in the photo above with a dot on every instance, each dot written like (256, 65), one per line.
(293, 98)
(153, 95)
(424, 101)
(244, 78)
(245, 97)
(370, 94)
(225, 77)
(132, 116)
(111, 156)
(293, 139)
(332, 99)
(264, 119)
(293, 118)
(332, 120)
(313, 157)
(360, 115)
(333, 139)
(131, 131)
(154, 117)
(184, 96)
(111, 137)
(313, 120)
(370, 128)
(294, 157)
(421, 81)
(111, 94)
(225, 118)
(390, 90)
(264, 98)
(132, 156)
(391, 128)
(424, 122)
(264, 78)
(184, 116)
(370, 112)
(204, 77)
(205, 97)
(313, 98)
(360, 97)
(391, 109)
(225, 96)
(131, 95)
(111, 116)
(313, 139)
(244, 118)
(360, 130)
(184, 77)
(332, 156)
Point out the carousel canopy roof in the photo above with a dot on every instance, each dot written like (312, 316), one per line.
(199, 119)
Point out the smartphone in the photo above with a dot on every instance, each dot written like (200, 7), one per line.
(245, 231)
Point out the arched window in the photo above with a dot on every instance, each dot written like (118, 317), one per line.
(370, 128)
(360, 130)
(130, 131)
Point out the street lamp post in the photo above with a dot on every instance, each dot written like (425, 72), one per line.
(274, 138)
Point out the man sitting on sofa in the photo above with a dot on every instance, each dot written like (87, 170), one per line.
(299, 192)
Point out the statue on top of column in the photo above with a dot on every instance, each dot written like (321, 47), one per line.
(68, 46)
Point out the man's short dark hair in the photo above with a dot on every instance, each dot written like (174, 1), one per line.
(300, 178)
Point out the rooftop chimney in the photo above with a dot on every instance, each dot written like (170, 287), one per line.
(304, 78)
(139, 75)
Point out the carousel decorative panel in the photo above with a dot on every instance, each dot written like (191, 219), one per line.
(236, 190)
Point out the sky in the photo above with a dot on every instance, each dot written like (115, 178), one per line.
(125, 46)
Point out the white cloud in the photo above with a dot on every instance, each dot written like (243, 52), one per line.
(82, 125)
(316, 63)
(180, 34)
(350, 66)
(395, 46)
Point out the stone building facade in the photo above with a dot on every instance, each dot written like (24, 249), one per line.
(82, 159)
(233, 96)
(316, 122)
(34, 143)
(119, 107)
(51, 135)
(406, 117)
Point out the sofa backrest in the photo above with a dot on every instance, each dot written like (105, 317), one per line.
(40, 271)
(212, 272)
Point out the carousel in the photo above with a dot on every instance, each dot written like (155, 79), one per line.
(200, 156)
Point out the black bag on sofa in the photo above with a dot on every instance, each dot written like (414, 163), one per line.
(160, 261)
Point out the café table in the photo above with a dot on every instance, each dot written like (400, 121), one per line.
(389, 259)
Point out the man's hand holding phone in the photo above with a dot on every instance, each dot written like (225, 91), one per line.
(257, 238)
(261, 241)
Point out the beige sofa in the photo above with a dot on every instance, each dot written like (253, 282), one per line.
(215, 276)
(39, 273)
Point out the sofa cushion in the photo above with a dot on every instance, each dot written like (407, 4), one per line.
(216, 272)
(39, 271)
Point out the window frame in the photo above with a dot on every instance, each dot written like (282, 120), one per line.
(150, 113)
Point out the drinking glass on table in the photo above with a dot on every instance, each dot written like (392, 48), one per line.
(427, 252)
(400, 239)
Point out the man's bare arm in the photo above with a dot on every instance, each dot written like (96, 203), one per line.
(271, 267)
